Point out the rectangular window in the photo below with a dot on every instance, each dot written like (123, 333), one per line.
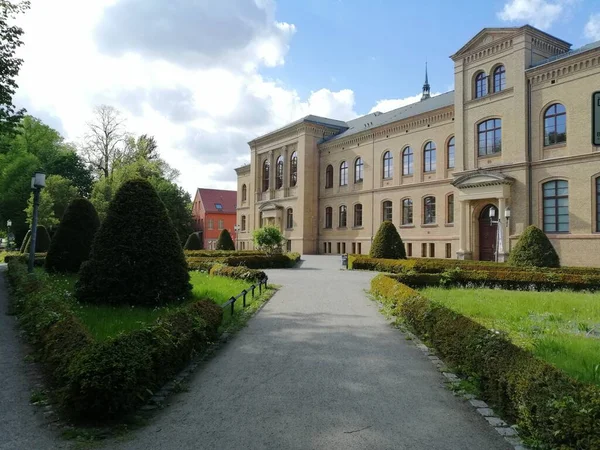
(423, 250)
(598, 204)
(450, 216)
(354, 248)
(343, 247)
(329, 247)
(221, 224)
(448, 250)
(409, 249)
(339, 247)
(324, 247)
(431, 250)
(288, 245)
(556, 206)
(210, 224)
(359, 248)
(358, 215)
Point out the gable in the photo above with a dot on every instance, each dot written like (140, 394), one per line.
(484, 38)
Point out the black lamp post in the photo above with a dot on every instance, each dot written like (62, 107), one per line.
(38, 182)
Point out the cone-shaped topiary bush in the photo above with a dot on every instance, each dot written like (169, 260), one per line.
(72, 241)
(534, 249)
(387, 243)
(225, 242)
(25, 241)
(42, 240)
(136, 256)
(193, 242)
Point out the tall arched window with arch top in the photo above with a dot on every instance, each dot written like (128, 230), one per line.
(294, 169)
(265, 175)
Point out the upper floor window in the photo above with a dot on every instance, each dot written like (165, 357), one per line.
(243, 223)
(451, 148)
(388, 165)
(387, 211)
(556, 206)
(344, 173)
(429, 157)
(343, 217)
(480, 84)
(450, 211)
(358, 170)
(489, 137)
(408, 160)
(279, 173)
(598, 204)
(499, 78)
(210, 224)
(429, 210)
(328, 217)
(265, 175)
(555, 124)
(289, 224)
(221, 224)
(358, 214)
(329, 177)
(407, 211)
(294, 169)
(244, 193)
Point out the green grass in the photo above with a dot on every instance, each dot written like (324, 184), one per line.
(560, 327)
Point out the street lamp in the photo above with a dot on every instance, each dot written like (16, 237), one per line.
(236, 229)
(8, 225)
(38, 182)
(499, 232)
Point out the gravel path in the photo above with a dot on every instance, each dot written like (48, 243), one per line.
(21, 425)
(318, 368)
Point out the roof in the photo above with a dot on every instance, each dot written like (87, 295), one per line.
(585, 48)
(377, 119)
(211, 198)
(318, 120)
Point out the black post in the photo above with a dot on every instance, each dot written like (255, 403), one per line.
(244, 298)
(266, 282)
(36, 203)
(232, 305)
(259, 287)
(253, 287)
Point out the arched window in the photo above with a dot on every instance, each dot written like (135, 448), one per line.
(556, 206)
(358, 214)
(407, 211)
(450, 210)
(387, 210)
(329, 177)
(244, 193)
(408, 160)
(329, 217)
(451, 153)
(429, 210)
(294, 169)
(358, 170)
(343, 217)
(289, 224)
(429, 157)
(499, 78)
(243, 223)
(489, 135)
(555, 124)
(480, 85)
(388, 165)
(344, 173)
(266, 174)
(279, 173)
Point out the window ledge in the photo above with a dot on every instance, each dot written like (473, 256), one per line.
(359, 181)
(555, 146)
(492, 155)
(358, 228)
(388, 178)
(429, 225)
(289, 229)
(449, 224)
(342, 228)
(408, 225)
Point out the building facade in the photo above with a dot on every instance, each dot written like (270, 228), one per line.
(213, 211)
(461, 174)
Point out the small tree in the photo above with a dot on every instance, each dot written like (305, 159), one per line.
(268, 239)
(193, 242)
(42, 240)
(225, 242)
(534, 249)
(387, 243)
(72, 241)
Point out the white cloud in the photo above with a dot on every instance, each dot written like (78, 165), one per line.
(386, 105)
(592, 27)
(539, 13)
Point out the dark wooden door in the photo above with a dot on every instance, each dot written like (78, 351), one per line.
(487, 236)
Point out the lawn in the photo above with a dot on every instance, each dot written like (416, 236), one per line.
(560, 327)
(108, 321)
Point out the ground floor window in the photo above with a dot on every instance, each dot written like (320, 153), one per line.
(556, 206)
(424, 250)
(329, 247)
(359, 248)
(431, 250)
(324, 247)
(354, 248)
(343, 247)
(409, 249)
(288, 245)
(448, 250)
(339, 247)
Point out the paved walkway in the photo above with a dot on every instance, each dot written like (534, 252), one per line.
(318, 368)
(21, 425)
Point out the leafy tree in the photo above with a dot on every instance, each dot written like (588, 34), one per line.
(225, 242)
(72, 241)
(268, 239)
(387, 243)
(46, 216)
(62, 192)
(69, 165)
(136, 256)
(10, 37)
(193, 242)
(534, 249)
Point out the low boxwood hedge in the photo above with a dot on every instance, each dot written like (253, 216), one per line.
(224, 253)
(240, 273)
(547, 405)
(39, 261)
(261, 261)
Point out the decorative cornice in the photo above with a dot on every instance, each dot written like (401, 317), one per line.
(494, 48)
(243, 169)
(564, 67)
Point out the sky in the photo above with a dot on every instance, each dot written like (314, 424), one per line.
(205, 77)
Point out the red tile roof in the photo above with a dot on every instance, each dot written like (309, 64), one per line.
(210, 197)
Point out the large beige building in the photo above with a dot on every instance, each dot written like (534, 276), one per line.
(511, 142)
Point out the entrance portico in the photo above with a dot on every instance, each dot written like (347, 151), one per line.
(479, 192)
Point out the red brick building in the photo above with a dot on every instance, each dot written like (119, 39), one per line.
(213, 211)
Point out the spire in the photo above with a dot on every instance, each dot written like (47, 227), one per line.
(426, 91)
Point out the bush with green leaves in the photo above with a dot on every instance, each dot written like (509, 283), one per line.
(534, 249)
(387, 243)
(268, 239)
(73, 239)
(136, 257)
(193, 242)
(225, 242)
(42, 240)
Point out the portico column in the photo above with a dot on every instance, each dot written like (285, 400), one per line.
(463, 244)
(502, 249)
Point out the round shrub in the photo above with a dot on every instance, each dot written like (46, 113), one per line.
(225, 242)
(42, 240)
(136, 256)
(72, 241)
(387, 243)
(534, 249)
(193, 242)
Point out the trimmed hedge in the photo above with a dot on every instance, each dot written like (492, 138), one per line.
(225, 242)
(547, 405)
(261, 261)
(42, 241)
(387, 243)
(240, 273)
(39, 261)
(219, 253)
(193, 242)
(534, 249)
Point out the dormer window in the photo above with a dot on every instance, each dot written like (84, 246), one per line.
(219, 206)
